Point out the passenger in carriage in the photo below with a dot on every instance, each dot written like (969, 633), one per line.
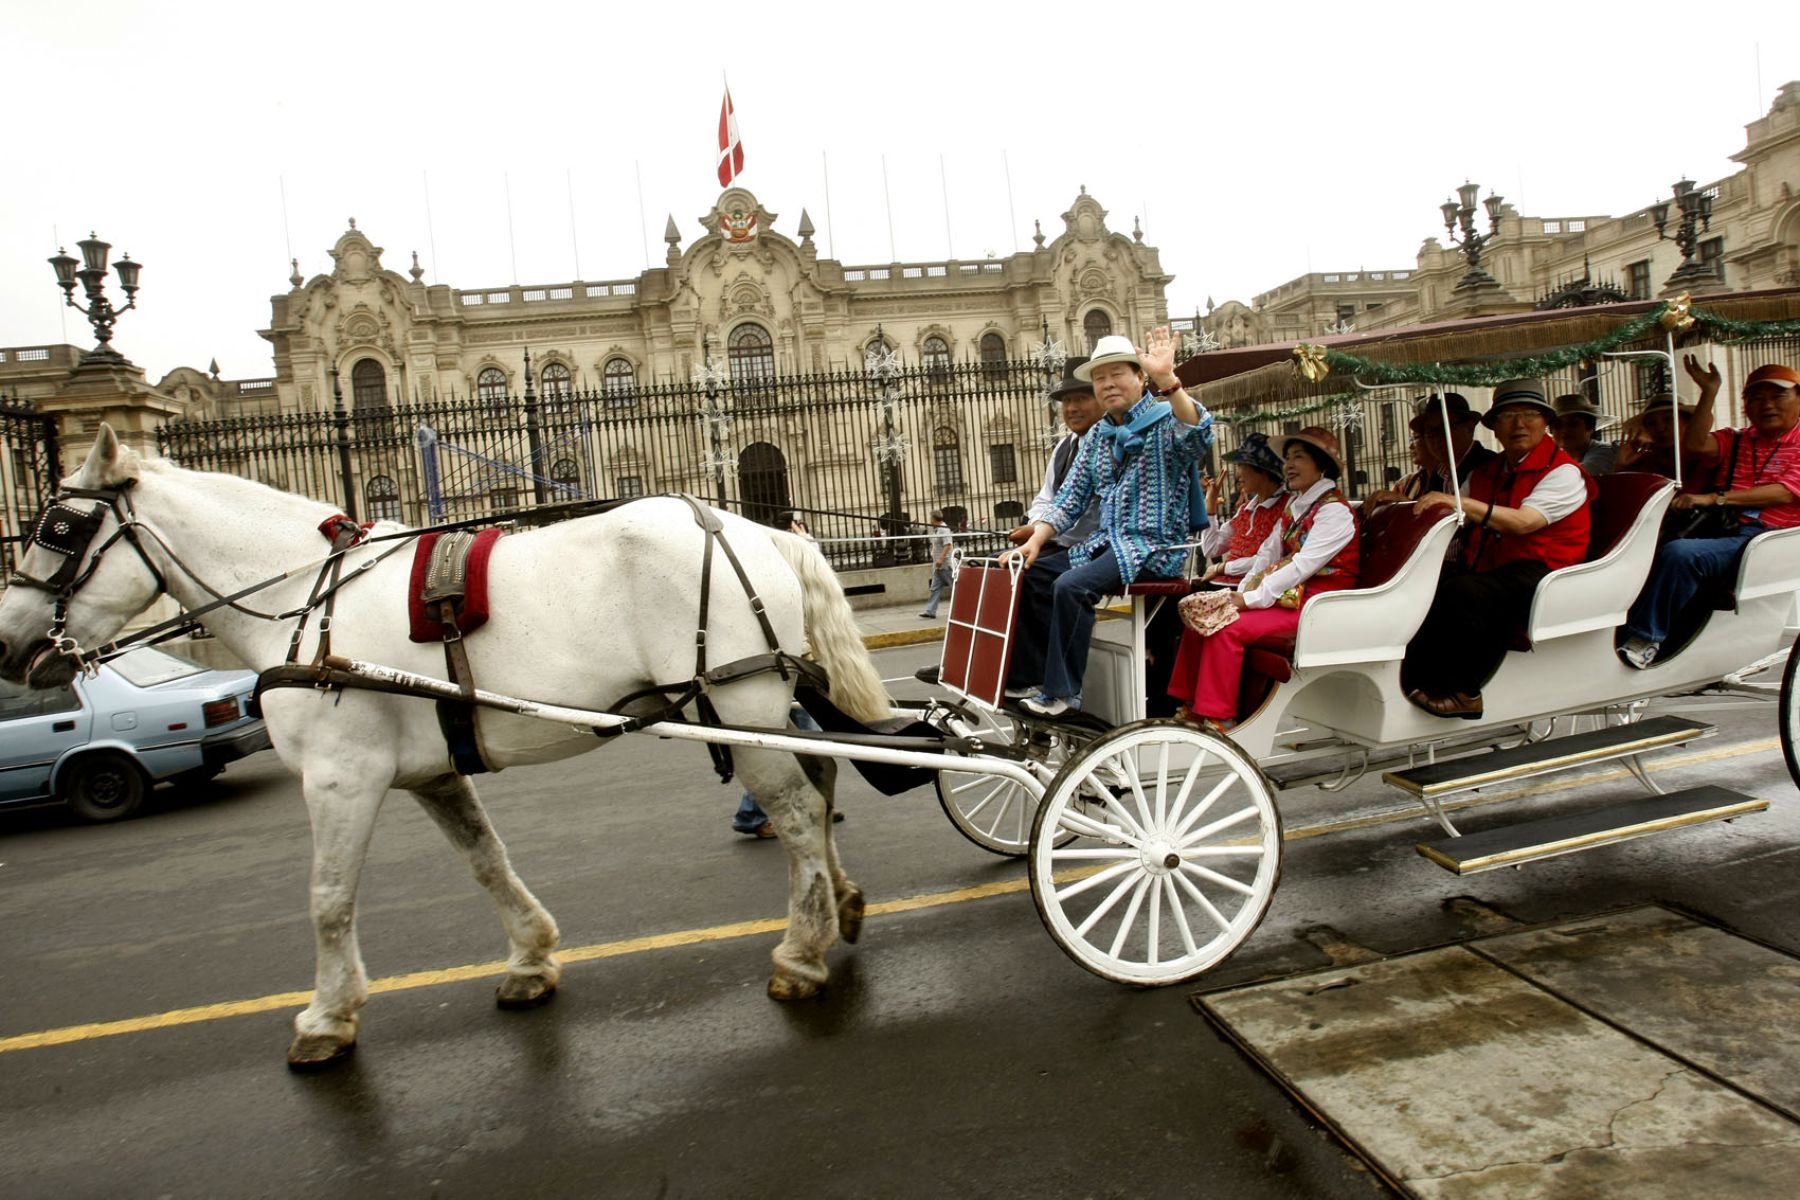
(1412, 486)
(1526, 514)
(1261, 479)
(1468, 454)
(1142, 464)
(1648, 439)
(1755, 473)
(1577, 420)
(1314, 549)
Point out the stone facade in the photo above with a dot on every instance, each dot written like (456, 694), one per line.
(1753, 242)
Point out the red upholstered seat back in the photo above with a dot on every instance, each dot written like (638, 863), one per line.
(1621, 498)
(1389, 538)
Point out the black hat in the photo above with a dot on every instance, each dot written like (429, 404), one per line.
(1429, 413)
(1070, 385)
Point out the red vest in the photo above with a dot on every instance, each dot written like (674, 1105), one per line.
(1559, 544)
(1340, 572)
(1249, 530)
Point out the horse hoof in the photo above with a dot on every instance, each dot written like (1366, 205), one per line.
(316, 1051)
(850, 914)
(791, 987)
(524, 991)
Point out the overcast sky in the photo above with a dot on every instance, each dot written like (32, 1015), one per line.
(1255, 144)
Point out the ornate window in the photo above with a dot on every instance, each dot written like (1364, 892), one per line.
(490, 388)
(1005, 463)
(1096, 325)
(618, 379)
(937, 358)
(381, 497)
(630, 486)
(751, 354)
(565, 473)
(1008, 513)
(368, 384)
(946, 461)
(993, 356)
(557, 384)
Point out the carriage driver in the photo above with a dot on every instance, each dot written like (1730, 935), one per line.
(1526, 514)
(1141, 463)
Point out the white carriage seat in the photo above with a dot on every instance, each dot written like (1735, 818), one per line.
(1626, 517)
(1402, 554)
(1770, 565)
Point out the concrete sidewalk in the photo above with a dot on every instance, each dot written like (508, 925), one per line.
(900, 625)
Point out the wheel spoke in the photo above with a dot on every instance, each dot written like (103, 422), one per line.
(1137, 793)
(1087, 827)
(1094, 880)
(1103, 853)
(982, 803)
(975, 782)
(1162, 786)
(1247, 850)
(1200, 809)
(1130, 917)
(1199, 898)
(1105, 906)
(1206, 831)
(1224, 881)
(1154, 930)
(1181, 921)
(1006, 798)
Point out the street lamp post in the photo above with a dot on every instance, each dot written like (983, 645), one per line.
(99, 310)
(1696, 216)
(1459, 214)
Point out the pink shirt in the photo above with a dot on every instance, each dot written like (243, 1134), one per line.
(1763, 460)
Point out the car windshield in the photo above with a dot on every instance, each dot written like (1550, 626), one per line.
(146, 667)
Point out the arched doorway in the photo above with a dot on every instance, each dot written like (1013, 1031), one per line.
(763, 483)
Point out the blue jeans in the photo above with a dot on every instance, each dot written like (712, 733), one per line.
(749, 816)
(1031, 628)
(940, 579)
(1683, 569)
(1072, 600)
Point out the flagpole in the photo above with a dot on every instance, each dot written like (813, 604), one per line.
(643, 222)
(830, 241)
(574, 243)
(893, 254)
(1012, 211)
(430, 228)
(512, 245)
(944, 183)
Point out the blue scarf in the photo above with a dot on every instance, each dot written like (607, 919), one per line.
(1128, 440)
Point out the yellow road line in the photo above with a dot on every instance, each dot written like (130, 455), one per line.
(462, 974)
(720, 933)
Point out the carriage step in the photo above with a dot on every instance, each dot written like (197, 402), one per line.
(1569, 833)
(1543, 758)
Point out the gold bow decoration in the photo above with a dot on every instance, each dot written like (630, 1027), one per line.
(1309, 360)
(1677, 315)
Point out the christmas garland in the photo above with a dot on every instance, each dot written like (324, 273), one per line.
(1315, 363)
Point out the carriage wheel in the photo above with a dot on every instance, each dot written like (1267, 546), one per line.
(1178, 854)
(1788, 717)
(994, 812)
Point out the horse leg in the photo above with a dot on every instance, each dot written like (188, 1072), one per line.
(800, 815)
(343, 816)
(822, 774)
(531, 966)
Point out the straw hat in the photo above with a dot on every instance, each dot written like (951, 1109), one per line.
(1322, 440)
(1515, 392)
(1576, 405)
(1114, 347)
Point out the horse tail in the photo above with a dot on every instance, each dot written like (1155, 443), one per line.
(855, 684)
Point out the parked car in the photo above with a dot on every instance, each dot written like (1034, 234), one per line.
(101, 744)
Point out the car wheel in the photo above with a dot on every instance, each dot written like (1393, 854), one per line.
(104, 786)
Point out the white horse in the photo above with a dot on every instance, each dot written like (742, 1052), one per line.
(583, 613)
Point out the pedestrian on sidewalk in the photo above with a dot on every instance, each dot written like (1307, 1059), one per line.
(750, 820)
(939, 545)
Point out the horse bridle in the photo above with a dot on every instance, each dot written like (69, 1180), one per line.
(69, 532)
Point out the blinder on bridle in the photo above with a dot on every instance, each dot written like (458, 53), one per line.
(68, 531)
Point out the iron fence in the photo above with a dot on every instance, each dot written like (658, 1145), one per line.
(863, 458)
(30, 466)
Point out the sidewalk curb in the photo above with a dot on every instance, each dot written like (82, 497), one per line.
(902, 637)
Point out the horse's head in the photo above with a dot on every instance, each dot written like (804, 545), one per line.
(67, 589)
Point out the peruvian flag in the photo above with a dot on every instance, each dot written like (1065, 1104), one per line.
(731, 148)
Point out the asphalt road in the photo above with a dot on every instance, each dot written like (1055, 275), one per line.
(955, 1050)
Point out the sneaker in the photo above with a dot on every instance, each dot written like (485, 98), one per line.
(929, 616)
(1020, 693)
(1639, 652)
(1046, 705)
(927, 674)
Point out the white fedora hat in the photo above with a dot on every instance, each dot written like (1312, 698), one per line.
(1114, 347)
